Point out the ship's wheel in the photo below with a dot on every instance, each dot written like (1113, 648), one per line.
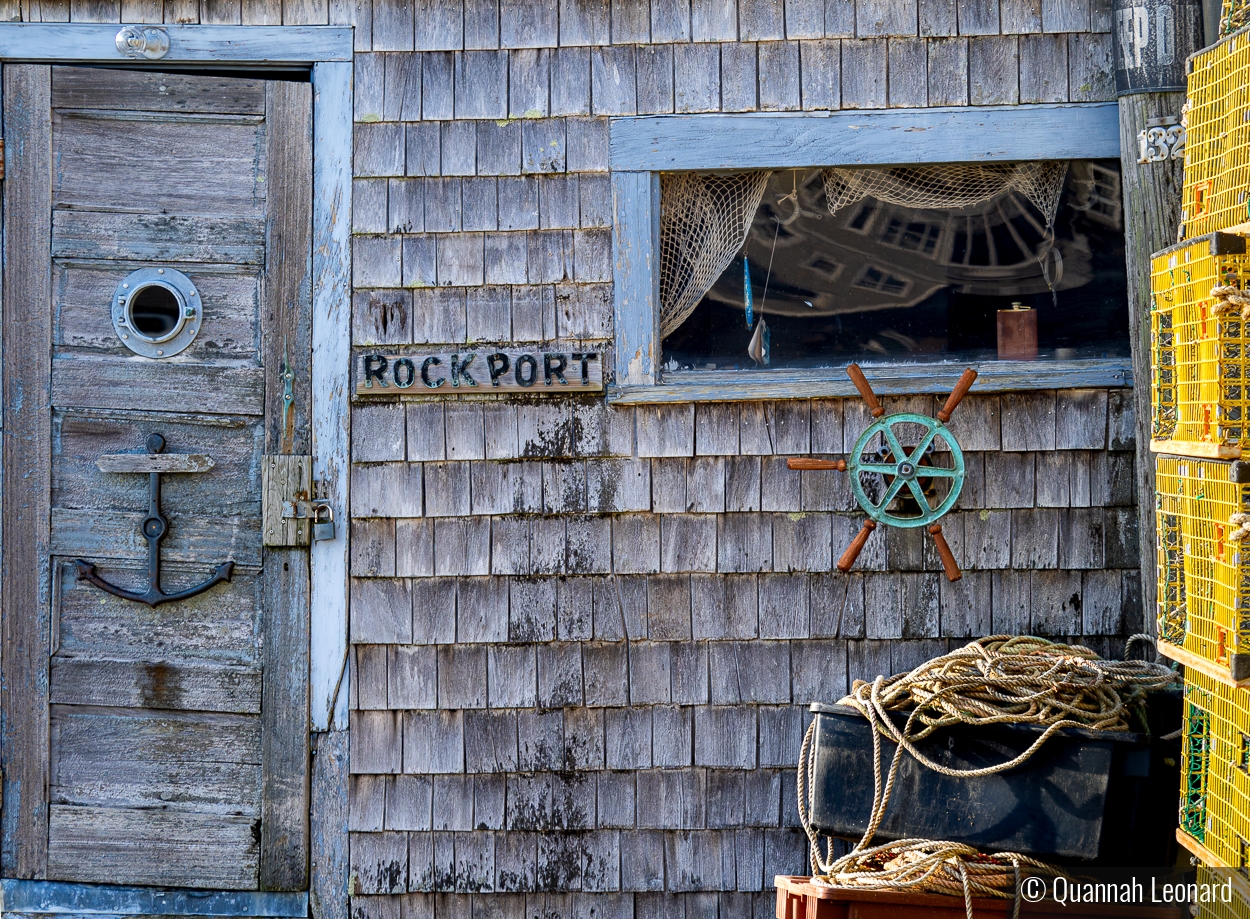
(907, 470)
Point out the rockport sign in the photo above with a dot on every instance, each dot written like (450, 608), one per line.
(478, 372)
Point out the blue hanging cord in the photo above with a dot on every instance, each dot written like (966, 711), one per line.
(746, 291)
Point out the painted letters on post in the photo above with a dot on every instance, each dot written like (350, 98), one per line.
(409, 375)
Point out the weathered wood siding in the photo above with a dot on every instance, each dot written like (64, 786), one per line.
(584, 638)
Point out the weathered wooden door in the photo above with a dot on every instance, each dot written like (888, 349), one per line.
(158, 745)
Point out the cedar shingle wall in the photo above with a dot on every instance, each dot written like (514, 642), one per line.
(584, 638)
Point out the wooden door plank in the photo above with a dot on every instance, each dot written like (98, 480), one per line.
(195, 541)
(143, 90)
(176, 685)
(27, 339)
(231, 330)
(286, 325)
(286, 335)
(226, 387)
(158, 238)
(187, 163)
(187, 761)
(219, 627)
(328, 887)
(123, 846)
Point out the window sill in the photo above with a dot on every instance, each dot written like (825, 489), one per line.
(886, 379)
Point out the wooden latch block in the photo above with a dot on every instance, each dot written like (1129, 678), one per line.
(286, 481)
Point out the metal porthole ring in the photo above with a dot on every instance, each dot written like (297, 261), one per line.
(905, 470)
(157, 312)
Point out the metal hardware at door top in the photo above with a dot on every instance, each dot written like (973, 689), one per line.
(143, 42)
(154, 526)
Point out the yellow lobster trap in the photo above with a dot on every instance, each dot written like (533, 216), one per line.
(1203, 517)
(1217, 138)
(1200, 348)
(1215, 771)
(1217, 884)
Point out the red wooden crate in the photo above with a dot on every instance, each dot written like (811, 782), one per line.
(798, 898)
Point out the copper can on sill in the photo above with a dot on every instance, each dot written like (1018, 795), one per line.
(1017, 333)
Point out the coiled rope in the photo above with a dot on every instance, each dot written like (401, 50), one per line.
(1229, 299)
(997, 680)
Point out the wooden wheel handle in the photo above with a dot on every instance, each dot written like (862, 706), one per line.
(861, 383)
(847, 561)
(945, 554)
(811, 462)
(957, 394)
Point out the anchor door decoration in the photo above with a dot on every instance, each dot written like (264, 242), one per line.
(157, 232)
(906, 470)
(154, 525)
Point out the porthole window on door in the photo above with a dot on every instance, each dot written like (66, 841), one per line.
(157, 312)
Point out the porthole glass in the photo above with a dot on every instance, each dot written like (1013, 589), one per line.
(157, 312)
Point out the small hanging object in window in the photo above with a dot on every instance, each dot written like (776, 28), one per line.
(1017, 333)
(746, 291)
(758, 348)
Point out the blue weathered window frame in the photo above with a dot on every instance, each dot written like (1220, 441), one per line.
(643, 147)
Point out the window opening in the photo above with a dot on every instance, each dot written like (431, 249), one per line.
(891, 266)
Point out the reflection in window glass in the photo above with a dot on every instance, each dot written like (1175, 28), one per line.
(877, 282)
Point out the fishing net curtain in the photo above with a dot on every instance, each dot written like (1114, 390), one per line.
(704, 219)
(952, 185)
(703, 223)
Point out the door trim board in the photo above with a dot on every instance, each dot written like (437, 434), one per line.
(45, 897)
(331, 363)
(70, 43)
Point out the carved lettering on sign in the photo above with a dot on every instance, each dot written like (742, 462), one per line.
(391, 375)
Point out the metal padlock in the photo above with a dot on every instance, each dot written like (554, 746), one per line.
(323, 527)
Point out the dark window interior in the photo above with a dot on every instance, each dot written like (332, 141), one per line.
(154, 311)
(879, 283)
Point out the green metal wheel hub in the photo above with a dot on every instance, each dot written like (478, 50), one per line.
(902, 468)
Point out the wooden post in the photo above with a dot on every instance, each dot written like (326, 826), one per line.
(1150, 86)
(1152, 206)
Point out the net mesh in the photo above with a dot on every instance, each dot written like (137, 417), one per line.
(704, 219)
(948, 185)
(703, 223)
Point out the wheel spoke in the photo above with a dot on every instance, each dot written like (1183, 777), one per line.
(936, 472)
(895, 487)
(918, 452)
(878, 468)
(895, 447)
(919, 495)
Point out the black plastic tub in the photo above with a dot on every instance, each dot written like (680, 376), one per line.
(1098, 797)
